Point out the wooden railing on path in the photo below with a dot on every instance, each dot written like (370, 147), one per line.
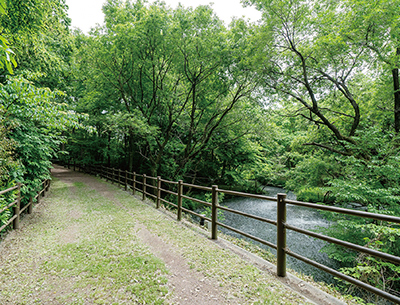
(16, 204)
(139, 183)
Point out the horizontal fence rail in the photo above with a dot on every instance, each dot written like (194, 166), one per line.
(158, 188)
(16, 204)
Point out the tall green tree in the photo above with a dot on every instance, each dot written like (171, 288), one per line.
(304, 60)
(33, 117)
(175, 73)
(374, 25)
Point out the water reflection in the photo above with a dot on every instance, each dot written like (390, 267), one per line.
(301, 217)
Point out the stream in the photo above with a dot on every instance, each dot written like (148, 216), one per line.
(304, 218)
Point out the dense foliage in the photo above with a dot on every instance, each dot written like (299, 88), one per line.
(168, 93)
(33, 113)
(308, 99)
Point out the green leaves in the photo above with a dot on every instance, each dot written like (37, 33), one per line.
(36, 117)
(3, 7)
(163, 84)
(6, 54)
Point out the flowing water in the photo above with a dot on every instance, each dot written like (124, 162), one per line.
(304, 218)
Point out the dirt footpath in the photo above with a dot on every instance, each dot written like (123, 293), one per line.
(89, 242)
(189, 286)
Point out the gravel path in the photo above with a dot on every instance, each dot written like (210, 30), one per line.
(89, 242)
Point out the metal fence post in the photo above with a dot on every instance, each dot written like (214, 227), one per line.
(134, 183)
(281, 236)
(180, 191)
(17, 208)
(158, 192)
(126, 180)
(144, 187)
(214, 212)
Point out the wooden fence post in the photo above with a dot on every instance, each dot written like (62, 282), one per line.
(134, 183)
(158, 192)
(119, 177)
(17, 208)
(43, 190)
(144, 187)
(281, 236)
(126, 180)
(180, 191)
(214, 212)
(30, 207)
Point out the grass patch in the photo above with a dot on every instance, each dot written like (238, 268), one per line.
(236, 278)
(82, 249)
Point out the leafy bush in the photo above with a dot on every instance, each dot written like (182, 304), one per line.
(364, 193)
(315, 194)
(310, 172)
(32, 122)
(381, 236)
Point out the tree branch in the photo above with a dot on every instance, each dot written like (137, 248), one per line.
(344, 153)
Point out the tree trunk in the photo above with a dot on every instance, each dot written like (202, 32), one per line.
(109, 150)
(396, 87)
(130, 152)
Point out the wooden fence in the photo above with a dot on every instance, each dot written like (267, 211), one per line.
(161, 187)
(16, 204)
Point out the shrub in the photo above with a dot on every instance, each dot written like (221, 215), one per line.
(316, 194)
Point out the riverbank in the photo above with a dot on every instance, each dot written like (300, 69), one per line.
(89, 242)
